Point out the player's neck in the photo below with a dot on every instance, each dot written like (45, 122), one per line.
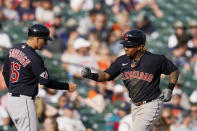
(138, 56)
(31, 44)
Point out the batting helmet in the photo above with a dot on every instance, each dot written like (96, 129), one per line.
(134, 37)
(39, 30)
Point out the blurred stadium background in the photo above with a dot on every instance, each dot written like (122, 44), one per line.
(164, 18)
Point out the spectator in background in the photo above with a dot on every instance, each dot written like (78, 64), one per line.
(44, 13)
(186, 123)
(176, 107)
(4, 39)
(55, 46)
(184, 97)
(4, 117)
(61, 102)
(112, 123)
(44, 109)
(193, 110)
(95, 98)
(67, 122)
(71, 36)
(2, 17)
(52, 96)
(60, 31)
(140, 4)
(142, 23)
(177, 43)
(192, 43)
(50, 124)
(71, 32)
(1, 3)
(95, 49)
(123, 5)
(125, 123)
(2, 81)
(193, 97)
(121, 25)
(81, 58)
(100, 25)
(86, 23)
(81, 5)
(166, 121)
(113, 43)
(179, 37)
(104, 60)
(118, 93)
(26, 11)
(9, 12)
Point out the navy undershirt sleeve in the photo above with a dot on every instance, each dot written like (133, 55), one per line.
(42, 75)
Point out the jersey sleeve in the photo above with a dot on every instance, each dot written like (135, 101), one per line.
(40, 71)
(166, 65)
(113, 70)
(6, 71)
(42, 76)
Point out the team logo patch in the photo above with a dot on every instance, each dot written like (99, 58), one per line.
(132, 65)
(126, 37)
(44, 75)
(23, 46)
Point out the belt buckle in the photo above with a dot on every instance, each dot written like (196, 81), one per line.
(139, 103)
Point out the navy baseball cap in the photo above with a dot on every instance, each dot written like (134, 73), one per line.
(69, 105)
(133, 38)
(125, 106)
(39, 30)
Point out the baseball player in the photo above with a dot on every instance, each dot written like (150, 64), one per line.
(140, 71)
(23, 70)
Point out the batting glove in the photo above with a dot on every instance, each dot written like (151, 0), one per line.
(167, 94)
(86, 72)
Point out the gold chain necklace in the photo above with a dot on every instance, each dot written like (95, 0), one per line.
(135, 61)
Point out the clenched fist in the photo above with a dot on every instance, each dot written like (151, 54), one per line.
(86, 72)
(72, 87)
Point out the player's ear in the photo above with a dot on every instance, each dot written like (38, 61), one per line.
(37, 41)
(140, 47)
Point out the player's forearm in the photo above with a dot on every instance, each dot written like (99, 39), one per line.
(103, 76)
(99, 77)
(57, 85)
(173, 77)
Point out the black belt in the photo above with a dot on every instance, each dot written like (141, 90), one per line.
(142, 102)
(17, 95)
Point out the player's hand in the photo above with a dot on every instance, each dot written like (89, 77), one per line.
(86, 72)
(167, 95)
(72, 87)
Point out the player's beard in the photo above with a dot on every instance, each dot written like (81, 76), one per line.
(134, 55)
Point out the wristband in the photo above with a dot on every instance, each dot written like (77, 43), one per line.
(94, 76)
(171, 86)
